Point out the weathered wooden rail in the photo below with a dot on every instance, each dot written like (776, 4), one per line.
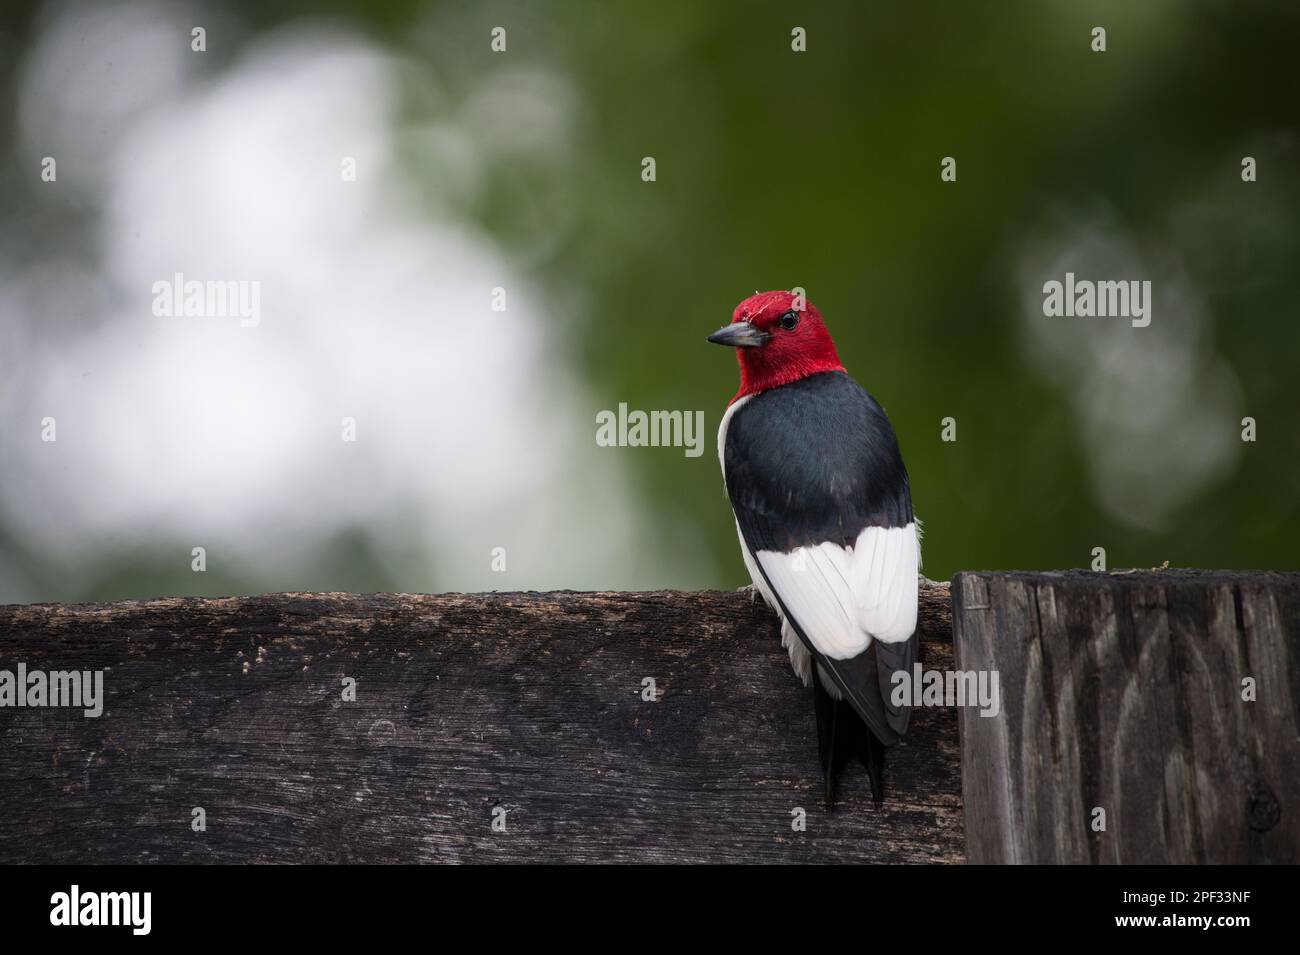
(531, 703)
(1120, 692)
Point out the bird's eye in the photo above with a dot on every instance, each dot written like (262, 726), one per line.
(789, 320)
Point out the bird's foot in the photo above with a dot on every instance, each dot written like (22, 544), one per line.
(751, 590)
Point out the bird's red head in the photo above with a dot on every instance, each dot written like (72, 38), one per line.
(778, 339)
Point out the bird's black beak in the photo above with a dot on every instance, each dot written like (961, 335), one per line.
(739, 334)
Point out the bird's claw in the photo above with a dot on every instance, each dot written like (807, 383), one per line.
(752, 590)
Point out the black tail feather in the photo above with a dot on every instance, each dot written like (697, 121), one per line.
(873, 757)
(828, 711)
(841, 735)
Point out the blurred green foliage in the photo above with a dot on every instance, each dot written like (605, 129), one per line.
(821, 170)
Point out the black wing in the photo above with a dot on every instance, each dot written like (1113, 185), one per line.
(817, 461)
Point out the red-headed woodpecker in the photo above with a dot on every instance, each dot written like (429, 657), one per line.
(824, 513)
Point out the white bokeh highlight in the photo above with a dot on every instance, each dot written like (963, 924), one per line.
(473, 427)
(1156, 407)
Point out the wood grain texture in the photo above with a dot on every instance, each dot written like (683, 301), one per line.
(465, 702)
(1124, 691)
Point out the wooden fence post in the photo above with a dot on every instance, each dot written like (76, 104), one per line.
(1162, 705)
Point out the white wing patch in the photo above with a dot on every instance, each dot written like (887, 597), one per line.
(842, 597)
(886, 570)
